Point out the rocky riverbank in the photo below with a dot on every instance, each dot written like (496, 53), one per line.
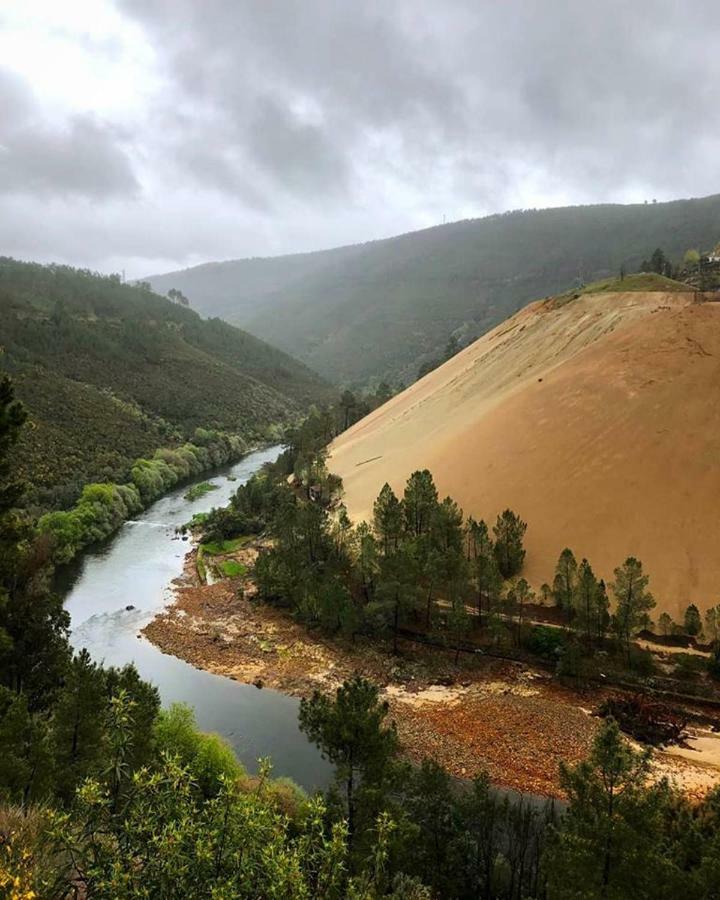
(505, 718)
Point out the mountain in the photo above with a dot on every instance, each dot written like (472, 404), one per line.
(594, 416)
(111, 372)
(383, 308)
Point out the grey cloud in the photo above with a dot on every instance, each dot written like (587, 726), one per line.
(299, 155)
(288, 125)
(82, 158)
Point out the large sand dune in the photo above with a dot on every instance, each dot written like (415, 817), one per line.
(598, 420)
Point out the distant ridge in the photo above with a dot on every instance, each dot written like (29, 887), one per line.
(383, 308)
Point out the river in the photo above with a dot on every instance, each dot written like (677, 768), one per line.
(135, 568)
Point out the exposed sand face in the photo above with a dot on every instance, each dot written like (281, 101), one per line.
(597, 421)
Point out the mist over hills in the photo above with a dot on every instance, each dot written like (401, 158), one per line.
(383, 308)
(110, 372)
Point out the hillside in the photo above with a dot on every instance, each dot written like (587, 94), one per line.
(595, 417)
(385, 307)
(110, 372)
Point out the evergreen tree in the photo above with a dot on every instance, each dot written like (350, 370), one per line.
(692, 621)
(26, 762)
(481, 555)
(585, 600)
(350, 731)
(367, 560)
(420, 502)
(33, 625)
(666, 624)
(524, 595)
(509, 532)
(612, 842)
(458, 620)
(431, 808)
(632, 598)
(602, 606)
(79, 723)
(398, 592)
(565, 580)
(388, 519)
(712, 624)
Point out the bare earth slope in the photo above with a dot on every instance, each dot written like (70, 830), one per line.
(597, 420)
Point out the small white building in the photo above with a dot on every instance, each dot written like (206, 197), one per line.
(714, 255)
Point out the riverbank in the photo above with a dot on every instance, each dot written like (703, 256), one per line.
(103, 508)
(508, 719)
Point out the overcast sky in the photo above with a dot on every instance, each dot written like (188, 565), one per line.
(148, 135)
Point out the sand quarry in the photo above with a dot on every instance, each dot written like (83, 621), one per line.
(596, 419)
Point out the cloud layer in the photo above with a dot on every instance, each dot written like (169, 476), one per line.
(180, 131)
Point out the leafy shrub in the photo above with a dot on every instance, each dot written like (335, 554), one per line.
(545, 641)
(102, 508)
(208, 757)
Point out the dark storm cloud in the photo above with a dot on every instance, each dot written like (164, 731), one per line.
(284, 125)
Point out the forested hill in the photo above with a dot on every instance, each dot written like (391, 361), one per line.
(110, 372)
(384, 308)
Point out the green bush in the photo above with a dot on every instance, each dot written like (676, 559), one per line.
(102, 508)
(545, 641)
(208, 757)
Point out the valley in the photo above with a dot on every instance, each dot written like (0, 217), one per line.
(359, 451)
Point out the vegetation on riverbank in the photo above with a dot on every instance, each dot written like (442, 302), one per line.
(102, 508)
(199, 490)
(110, 371)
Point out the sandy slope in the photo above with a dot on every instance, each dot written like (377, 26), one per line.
(598, 421)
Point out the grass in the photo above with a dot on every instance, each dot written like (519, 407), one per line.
(215, 548)
(648, 282)
(642, 281)
(199, 490)
(231, 568)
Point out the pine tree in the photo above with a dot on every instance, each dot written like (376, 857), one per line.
(633, 600)
(388, 519)
(565, 580)
(665, 624)
(509, 532)
(692, 621)
(33, 624)
(79, 725)
(481, 554)
(712, 624)
(524, 595)
(585, 599)
(350, 731)
(420, 502)
(611, 842)
(398, 592)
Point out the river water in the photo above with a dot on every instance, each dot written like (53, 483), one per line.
(136, 568)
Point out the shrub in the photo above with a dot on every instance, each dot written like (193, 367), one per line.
(208, 757)
(545, 641)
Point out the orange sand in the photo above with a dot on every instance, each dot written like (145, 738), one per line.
(598, 421)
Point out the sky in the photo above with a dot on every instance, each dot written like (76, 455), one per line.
(150, 135)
